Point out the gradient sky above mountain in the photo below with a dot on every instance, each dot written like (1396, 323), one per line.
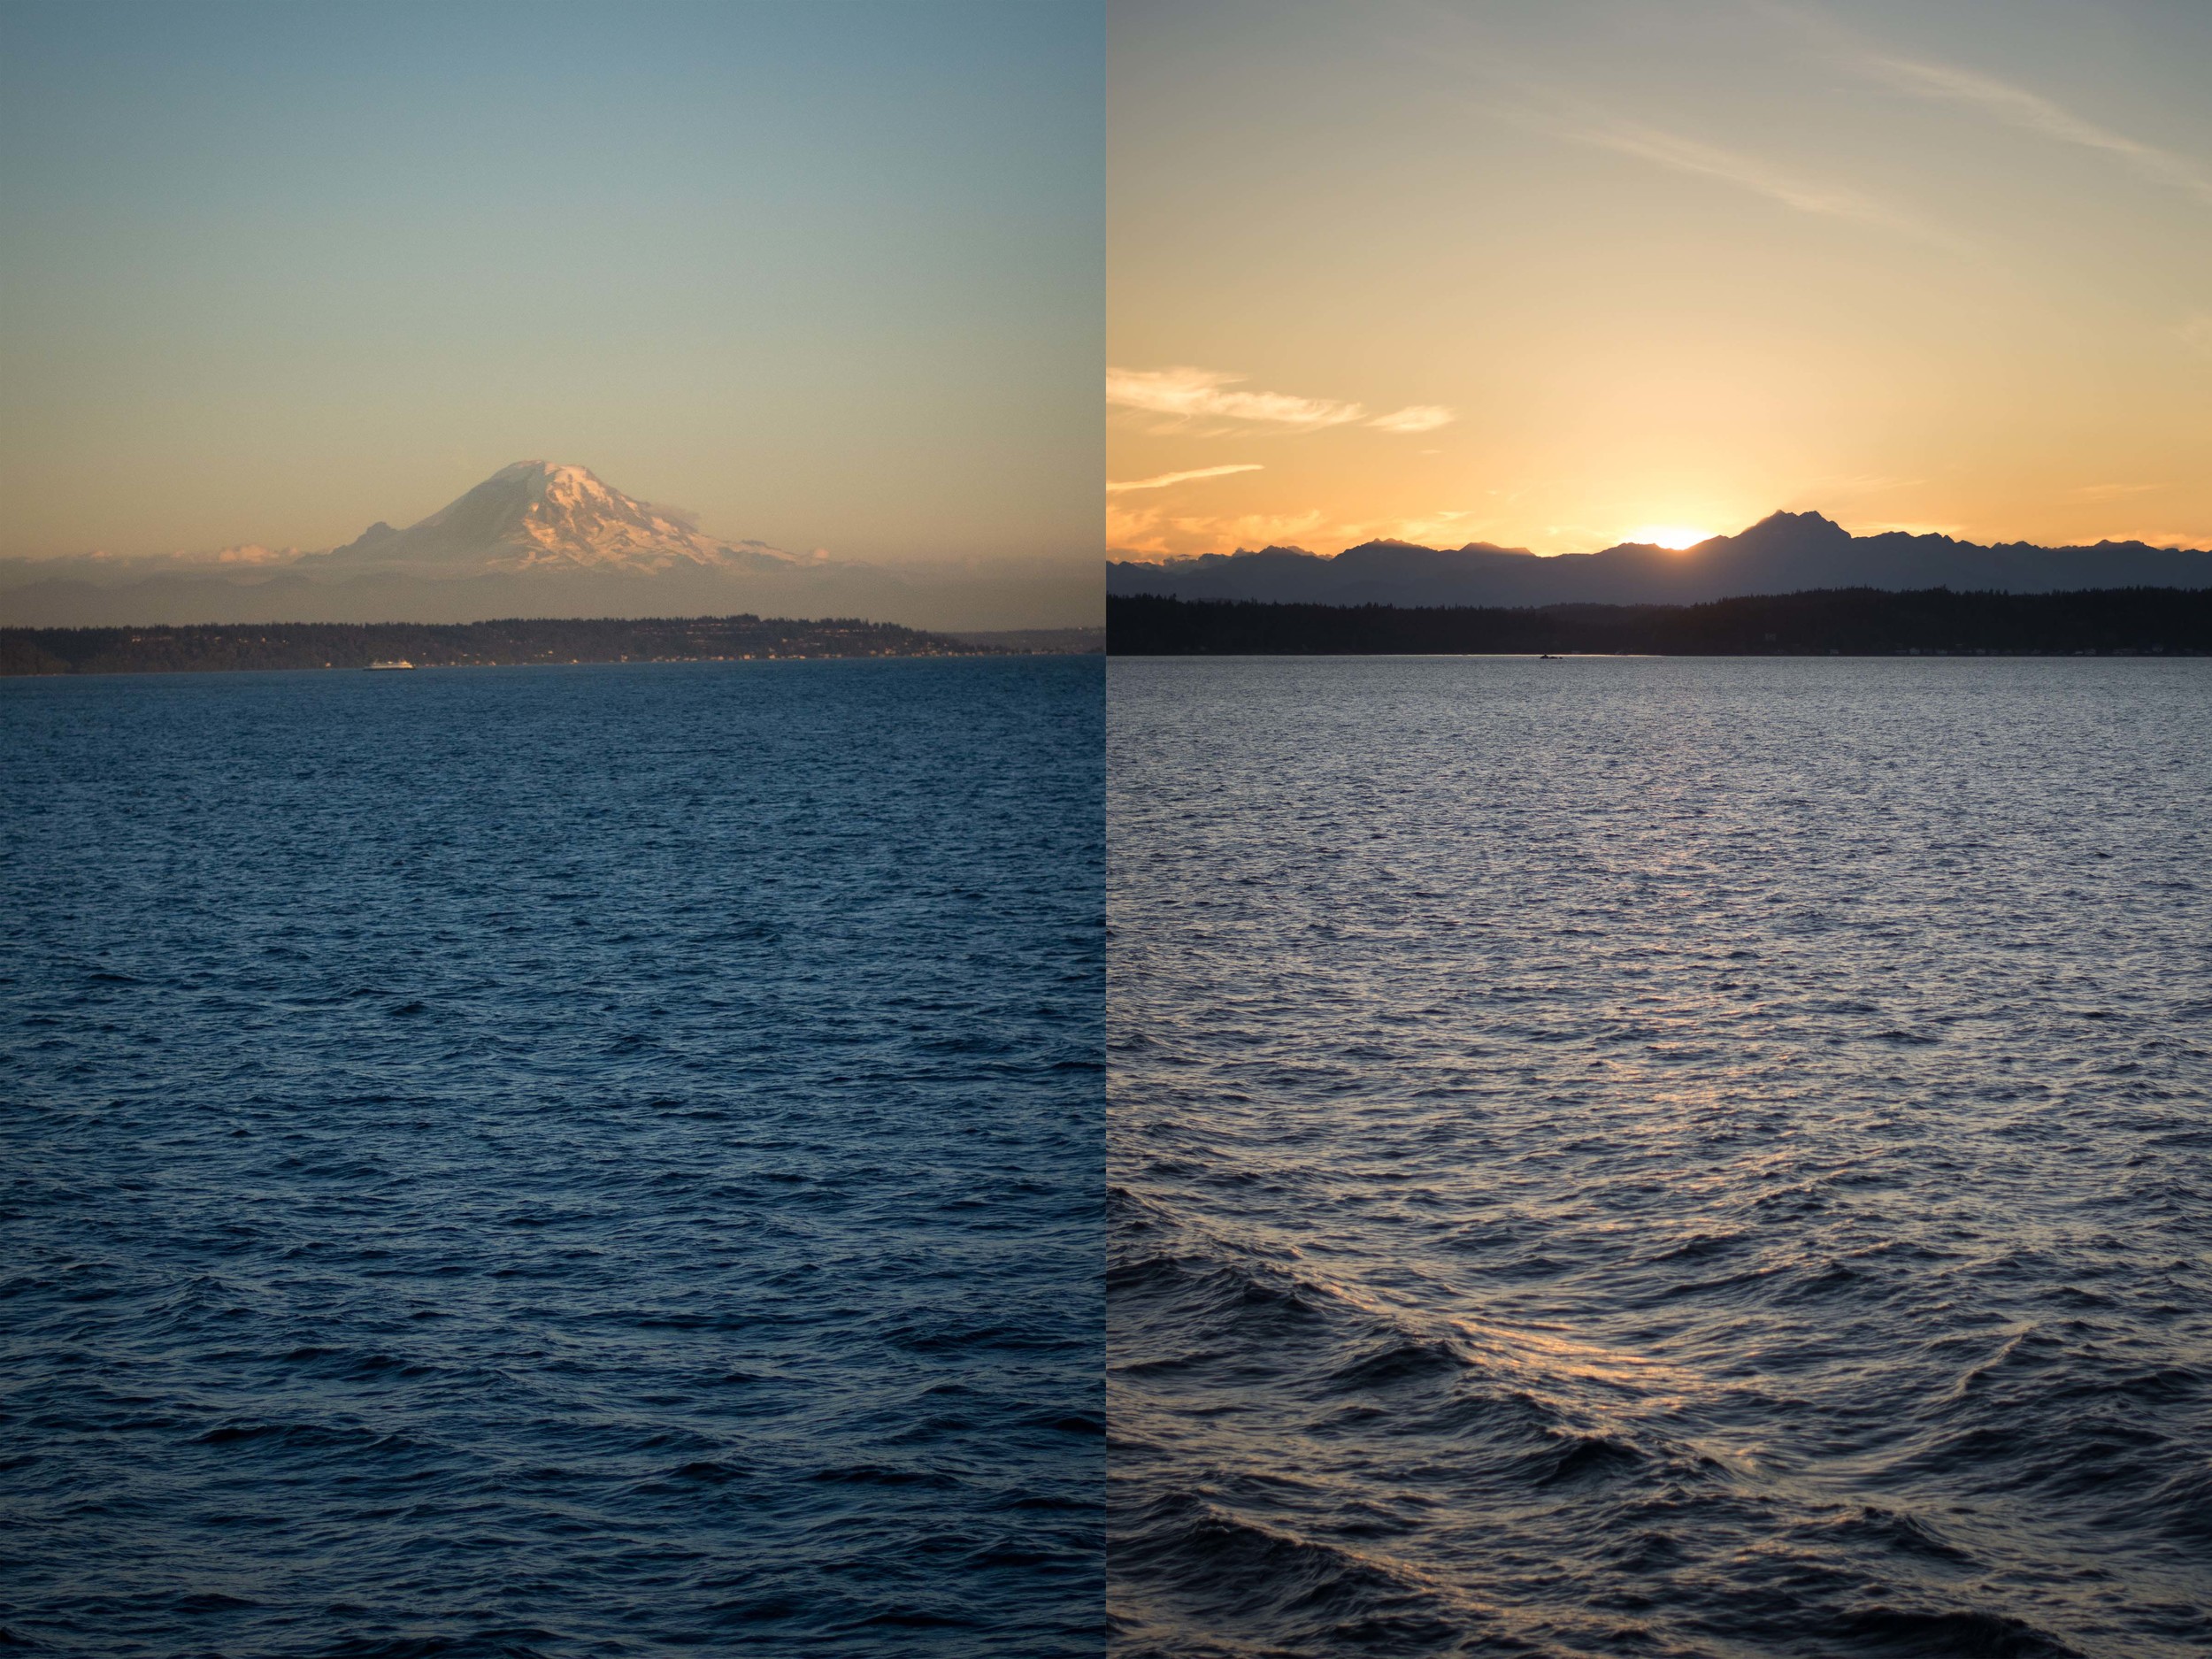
(1558, 276)
(823, 275)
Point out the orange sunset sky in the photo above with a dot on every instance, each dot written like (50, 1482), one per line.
(1560, 276)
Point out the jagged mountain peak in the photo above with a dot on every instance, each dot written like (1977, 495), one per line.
(1785, 523)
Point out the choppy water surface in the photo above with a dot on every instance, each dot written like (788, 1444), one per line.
(553, 1162)
(1661, 1157)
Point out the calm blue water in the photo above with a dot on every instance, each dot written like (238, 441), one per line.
(1660, 1158)
(593, 1161)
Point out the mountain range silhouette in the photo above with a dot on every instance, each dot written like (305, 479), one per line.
(1785, 552)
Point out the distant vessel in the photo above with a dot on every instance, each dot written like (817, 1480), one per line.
(402, 664)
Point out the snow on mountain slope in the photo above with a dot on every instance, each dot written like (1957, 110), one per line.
(538, 515)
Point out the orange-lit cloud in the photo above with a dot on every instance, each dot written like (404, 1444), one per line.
(1415, 418)
(1188, 393)
(1165, 479)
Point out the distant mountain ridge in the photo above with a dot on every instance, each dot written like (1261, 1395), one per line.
(1783, 553)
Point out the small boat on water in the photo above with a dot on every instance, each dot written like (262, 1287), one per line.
(402, 663)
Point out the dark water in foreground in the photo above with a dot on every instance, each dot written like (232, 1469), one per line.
(1661, 1157)
(552, 1161)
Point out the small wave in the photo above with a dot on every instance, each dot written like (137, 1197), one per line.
(1211, 1285)
(1698, 1249)
(1590, 1458)
(211, 1601)
(882, 1475)
(2181, 1504)
(1196, 1558)
(1400, 1361)
(303, 1435)
(707, 1472)
(1893, 1531)
(912, 1618)
(1909, 1633)
(514, 1643)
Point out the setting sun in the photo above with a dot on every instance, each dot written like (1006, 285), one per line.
(1671, 535)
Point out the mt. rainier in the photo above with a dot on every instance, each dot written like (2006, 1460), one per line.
(539, 539)
(538, 517)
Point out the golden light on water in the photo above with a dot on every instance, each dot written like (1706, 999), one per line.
(1671, 535)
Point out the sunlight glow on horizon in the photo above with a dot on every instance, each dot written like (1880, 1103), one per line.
(1674, 536)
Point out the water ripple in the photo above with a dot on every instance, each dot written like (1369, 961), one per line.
(1660, 1157)
(553, 1162)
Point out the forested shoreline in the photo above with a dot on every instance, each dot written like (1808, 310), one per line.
(316, 645)
(1846, 622)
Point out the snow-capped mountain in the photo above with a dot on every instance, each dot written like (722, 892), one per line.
(535, 539)
(538, 515)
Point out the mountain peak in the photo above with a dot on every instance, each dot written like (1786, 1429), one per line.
(551, 475)
(1806, 521)
(547, 515)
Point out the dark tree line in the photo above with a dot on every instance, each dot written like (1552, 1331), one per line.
(1849, 622)
(351, 645)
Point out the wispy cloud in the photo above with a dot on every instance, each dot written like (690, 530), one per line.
(1415, 418)
(1195, 394)
(2196, 333)
(2016, 106)
(1187, 394)
(1165, 479)
(1711, 161)
(1695, 157)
